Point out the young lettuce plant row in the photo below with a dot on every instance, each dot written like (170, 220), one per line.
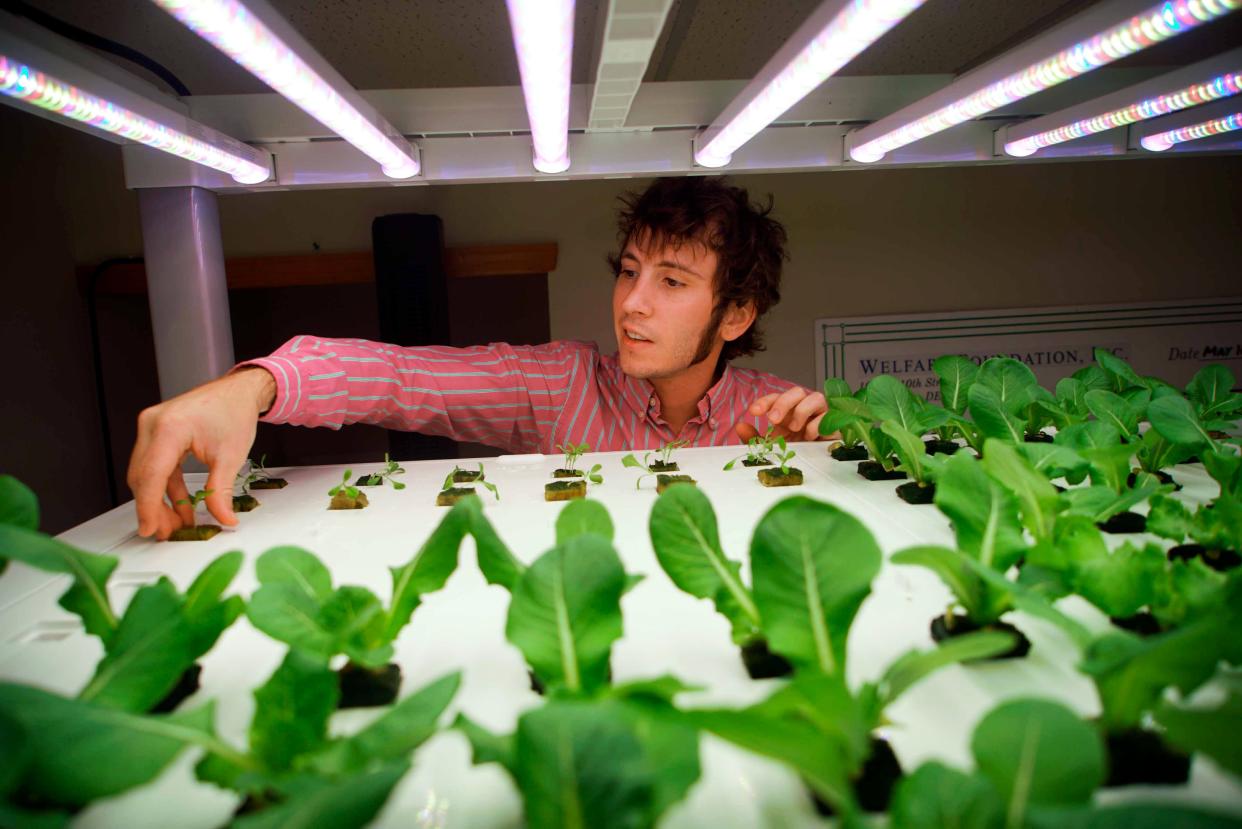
(599, 753)
(450, 493)
(195, 532)
(388, 473)
(571, 481)
(660, 467)
(759, 453)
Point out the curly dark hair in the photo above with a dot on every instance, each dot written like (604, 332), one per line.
(748, 243)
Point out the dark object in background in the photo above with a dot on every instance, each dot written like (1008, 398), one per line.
(411, 295)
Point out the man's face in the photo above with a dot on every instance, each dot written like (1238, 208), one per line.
(662, 309)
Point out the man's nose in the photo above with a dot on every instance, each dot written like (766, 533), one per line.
(638, 299)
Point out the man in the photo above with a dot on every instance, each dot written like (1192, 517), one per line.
(697, 266)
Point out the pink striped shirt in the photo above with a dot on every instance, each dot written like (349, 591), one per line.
(519, 398)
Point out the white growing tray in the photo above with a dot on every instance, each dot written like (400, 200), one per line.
(462, 628)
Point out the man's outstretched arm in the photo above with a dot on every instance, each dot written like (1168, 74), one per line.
(216, 423)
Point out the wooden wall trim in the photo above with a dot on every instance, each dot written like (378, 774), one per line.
(249, 272)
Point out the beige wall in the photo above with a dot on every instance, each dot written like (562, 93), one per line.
(861, 242)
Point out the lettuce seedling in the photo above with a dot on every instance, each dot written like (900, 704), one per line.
(1006, 401)
(265, 479)
(779, 616)
(391, 469)
(565, 614)
(150, 651)
(848, 428)
(957, 374)
(295, 774)
(885, 398)
(1175, 419)
(1215, 528)
(1131, 675)
(663, 463)
(664, 459)
(915, 462)
(1121, 377)
(296, 604)
(1225, 467)
(245, 502)
(346, 496)
(570, 469)
(985, 519)
(1068, 404)
(759, 450)
(195, 532)
(617, 761)
(1211, 391)
(1109, 498)
(1037, 764)
(566, 490)
(1135, 585)
(60, 755)
(686, 541)
(450, 494)
(783, 474)
(826, 732)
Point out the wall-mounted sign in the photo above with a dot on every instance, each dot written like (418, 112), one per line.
(1171, 340)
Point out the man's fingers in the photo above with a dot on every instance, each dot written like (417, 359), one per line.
(808, 407)
(745, 430)
(761, 405)
(811, 432)
(150, 469)
(220, 482)
(786, 403)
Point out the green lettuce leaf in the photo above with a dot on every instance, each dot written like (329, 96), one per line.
(687, 545)
(566, 613)
(812, 566)
(581, 517)
(74, 745)
(1037, 752)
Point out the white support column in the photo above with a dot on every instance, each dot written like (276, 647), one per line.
(186, 286)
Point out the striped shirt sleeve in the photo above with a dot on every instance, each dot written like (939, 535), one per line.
(501, 395)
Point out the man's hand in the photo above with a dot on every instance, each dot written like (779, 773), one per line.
(215, 422)
(795, 413)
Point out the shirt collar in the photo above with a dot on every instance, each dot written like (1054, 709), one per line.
(641, 396)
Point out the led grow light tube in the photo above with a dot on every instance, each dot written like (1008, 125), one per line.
(543, 35)
(284, 61)
(1103, 46)
(1210, 80)
(24, 83)
(1164, 140)
(830, 38)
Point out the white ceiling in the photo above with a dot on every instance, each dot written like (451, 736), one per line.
(402, 44)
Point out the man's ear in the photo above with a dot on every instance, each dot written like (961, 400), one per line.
(737, 320)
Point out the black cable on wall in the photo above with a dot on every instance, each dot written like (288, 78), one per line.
(101, 397)
(95, 41)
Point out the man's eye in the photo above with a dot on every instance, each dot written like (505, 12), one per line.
(628, 274)
(672, 283)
